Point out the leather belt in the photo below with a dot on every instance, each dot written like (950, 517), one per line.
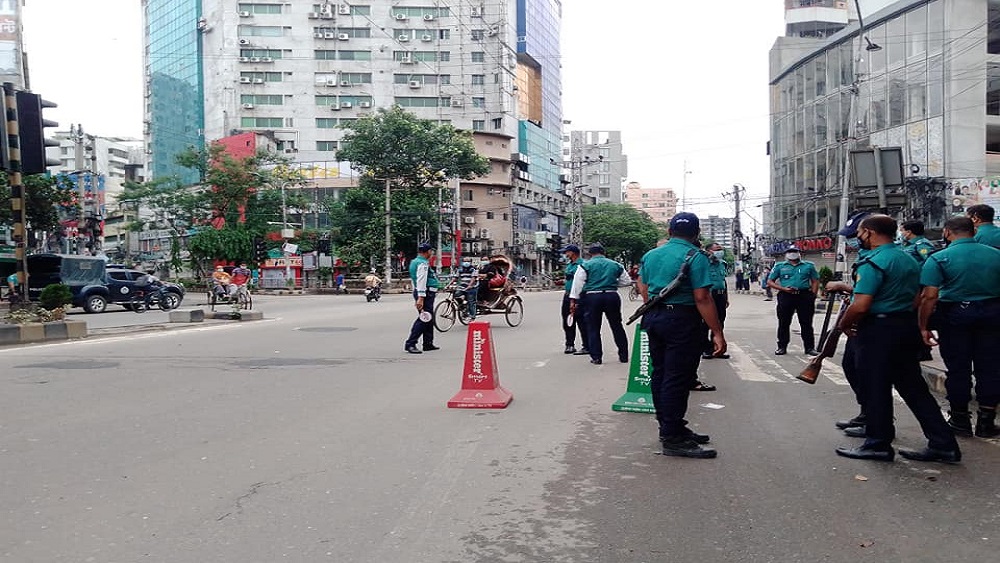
(604, 291)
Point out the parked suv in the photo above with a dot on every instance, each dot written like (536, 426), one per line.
(121, 285)
(83, 274)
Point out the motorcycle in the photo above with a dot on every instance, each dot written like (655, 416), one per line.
(373, 293)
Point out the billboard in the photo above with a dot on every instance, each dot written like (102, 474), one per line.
(10, 42)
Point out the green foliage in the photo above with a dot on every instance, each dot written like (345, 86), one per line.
(44, 195)
(55, 295)
(825, 276)
(626, 232)
(233, 244)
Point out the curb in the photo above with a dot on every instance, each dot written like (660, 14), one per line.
(42, 332)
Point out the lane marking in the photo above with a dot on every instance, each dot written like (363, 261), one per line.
(746, 369)
(760, 358)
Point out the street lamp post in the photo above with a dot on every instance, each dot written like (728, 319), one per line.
(284, 232)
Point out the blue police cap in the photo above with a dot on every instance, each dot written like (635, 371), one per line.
(850, 229)
(570, 248)
(426, 246)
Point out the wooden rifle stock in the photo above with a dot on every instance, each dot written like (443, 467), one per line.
(811, 372)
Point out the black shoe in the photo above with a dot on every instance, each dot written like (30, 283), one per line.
(687, 447)
(691, 435)
(623, 359)
(856, 432)
(570, 350)
(812, 352)
(596, 361)
(931, 454)
(872, 454)
(707, 356)
(780, 352)
(723, 356)
(431, 347)
(986, 423)
(859, 420)
(413, 350)
(582, 352)
(960, 422)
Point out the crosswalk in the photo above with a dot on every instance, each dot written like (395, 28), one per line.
(752, 364)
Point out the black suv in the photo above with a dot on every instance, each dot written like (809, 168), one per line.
(121, 285)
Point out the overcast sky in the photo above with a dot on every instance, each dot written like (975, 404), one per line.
(684, 81)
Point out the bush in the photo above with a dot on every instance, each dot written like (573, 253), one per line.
(825, 277)
(55, 295)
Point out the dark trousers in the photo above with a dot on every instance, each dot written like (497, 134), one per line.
(579, 324)
(802, 304)
(420, 328)
(598, 306)
(969, 335)
(850, 365)
(674, 351)
(720, 306)
(888, 355)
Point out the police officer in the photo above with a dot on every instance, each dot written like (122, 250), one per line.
(963, 282)
(579, 324)
(720, 294)
(883, 320)
(599, 279)
(914, 242)
(986, 232)
(797, 282)
(675, 332)
(425, 286)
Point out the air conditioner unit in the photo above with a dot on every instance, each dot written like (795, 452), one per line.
(428, 18)
(456, 103)
(314, 15)
(470, 221)
(244, 59)
(244, 41)
(245, 14)
(244, 80)
(318, 35)
(365, 105)
(255, 59)
(427, 37)
(476, 247)
(346, 83)
(247, 106)
(266, 60)
(258, 80)
(326, 15)
(402, 17)
(416, 84)
(334, 107)
(344, 10)
(477, 12)
(403, 38)
(485, 233)
(406, 60)
(469, 233)
(330, 36)
(343, 36)
(346, 105)
(331, 82)
(492, 32)
(289, 151)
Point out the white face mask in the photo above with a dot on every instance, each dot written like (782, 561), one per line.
(720, 254)
(792, 256)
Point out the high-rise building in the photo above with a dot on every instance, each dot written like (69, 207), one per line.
(718, 229)
(598, 163)
(539, 88)
(659, 203)
(817, 18)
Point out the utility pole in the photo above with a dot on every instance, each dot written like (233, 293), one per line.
(684, 186)
(79, 164)
(737, 232)
(437, 263)
(388, 234)
(18, 203)
(576, 228)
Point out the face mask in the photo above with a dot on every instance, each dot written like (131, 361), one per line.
(900, 238)
(864, 243)
(720, 254)
(853, 243)
(792, 256)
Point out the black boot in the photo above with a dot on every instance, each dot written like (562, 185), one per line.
(986, 423)
(960, 421)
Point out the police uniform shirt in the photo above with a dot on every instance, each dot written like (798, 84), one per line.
(796, 276)
(988, 234)
(600, 273)
(919, 249)
(718, 270)
(424, 277)
(964, 271)
(662, 264)
(571, 273)
(891, 277)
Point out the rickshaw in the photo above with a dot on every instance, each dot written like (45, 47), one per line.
(501, 298)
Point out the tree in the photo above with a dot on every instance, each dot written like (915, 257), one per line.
(44, 196)
(625, 232)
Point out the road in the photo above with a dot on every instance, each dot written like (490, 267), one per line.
(312, 437)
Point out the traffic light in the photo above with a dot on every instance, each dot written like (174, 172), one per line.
(557, 244)
(31, 132)
(259, 251)
(323, 246)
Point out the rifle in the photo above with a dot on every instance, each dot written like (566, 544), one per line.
(826, 319)
(811, 372)
(667, 291)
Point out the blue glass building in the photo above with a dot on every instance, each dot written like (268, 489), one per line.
(175, 111)
(540, 87)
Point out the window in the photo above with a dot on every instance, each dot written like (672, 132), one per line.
(422, 101)
(420, 56)
(498, 123)
(605, 179)
(265, 76)
(897, 98)
(605, 193)
(355, 10)
(478, 79)
(916, 32)
(261, 8)
(354, 55)
(478, 57)
(489, 214)
(477, 125)
(263, 99)
(444, 34)
(421, 11)
(326, 122)
(916, 91)
(262, 122)
(326, 145)
(260, 30)
(506, 217)
(645, 196)
(895, 42)
(477, 35)
(478, 102)
(273, 53)
(356, 77)
(468, 195)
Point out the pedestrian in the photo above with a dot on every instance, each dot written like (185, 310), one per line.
(963, 283)
(986, 232)
(599, 279)
(768, 296)
(579, 323)
(341, 288)
(12, 285)
(675, 331)
(468, 286)
(882, 318)
(720, 295)
(915, 243)
(739, 279)
(425, 286)
(796, 281)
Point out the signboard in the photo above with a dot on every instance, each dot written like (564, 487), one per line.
(863, 168)
(294, 261)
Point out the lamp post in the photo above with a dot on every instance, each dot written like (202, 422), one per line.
(576, 230)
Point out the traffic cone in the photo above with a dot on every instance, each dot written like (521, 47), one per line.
(480, 379)
(638, 396)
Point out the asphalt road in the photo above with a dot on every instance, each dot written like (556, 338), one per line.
(311, 436)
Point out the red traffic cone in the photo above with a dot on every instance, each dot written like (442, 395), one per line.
(480, 378)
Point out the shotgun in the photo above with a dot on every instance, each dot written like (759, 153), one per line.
(671, 288)
(811, 372)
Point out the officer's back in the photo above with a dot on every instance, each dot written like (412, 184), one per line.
(662, 264)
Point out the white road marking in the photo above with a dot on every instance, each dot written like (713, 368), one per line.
(768, 365)
(746, 369)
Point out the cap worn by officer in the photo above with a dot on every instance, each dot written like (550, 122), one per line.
(570, 248)
(850, 229)
(425, 247)
(596, 248)
(685, 224)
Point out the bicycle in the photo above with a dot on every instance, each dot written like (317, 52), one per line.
(451, 309)
(633, 292)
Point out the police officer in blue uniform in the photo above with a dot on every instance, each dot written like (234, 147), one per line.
(963, 283)
(883, 319)
(676, 333)
(982, 216)
(425, 286)
(579, 324)
(720, 294)
(914, 242)
(797, 282)
(598, 279)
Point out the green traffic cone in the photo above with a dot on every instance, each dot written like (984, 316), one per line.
(638, 396)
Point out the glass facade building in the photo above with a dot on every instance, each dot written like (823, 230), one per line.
(540, 87)
(175, 115)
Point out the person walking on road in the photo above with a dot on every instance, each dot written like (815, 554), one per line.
(963, 283)
(599, 279)
(986, 232)
(914, 242)
(720, 294)
(425, 286)
(578, 323)
(796, 282)
(882, 319)
(675, 331)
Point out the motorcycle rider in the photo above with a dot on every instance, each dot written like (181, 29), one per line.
(374, 283)
(468, 286)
